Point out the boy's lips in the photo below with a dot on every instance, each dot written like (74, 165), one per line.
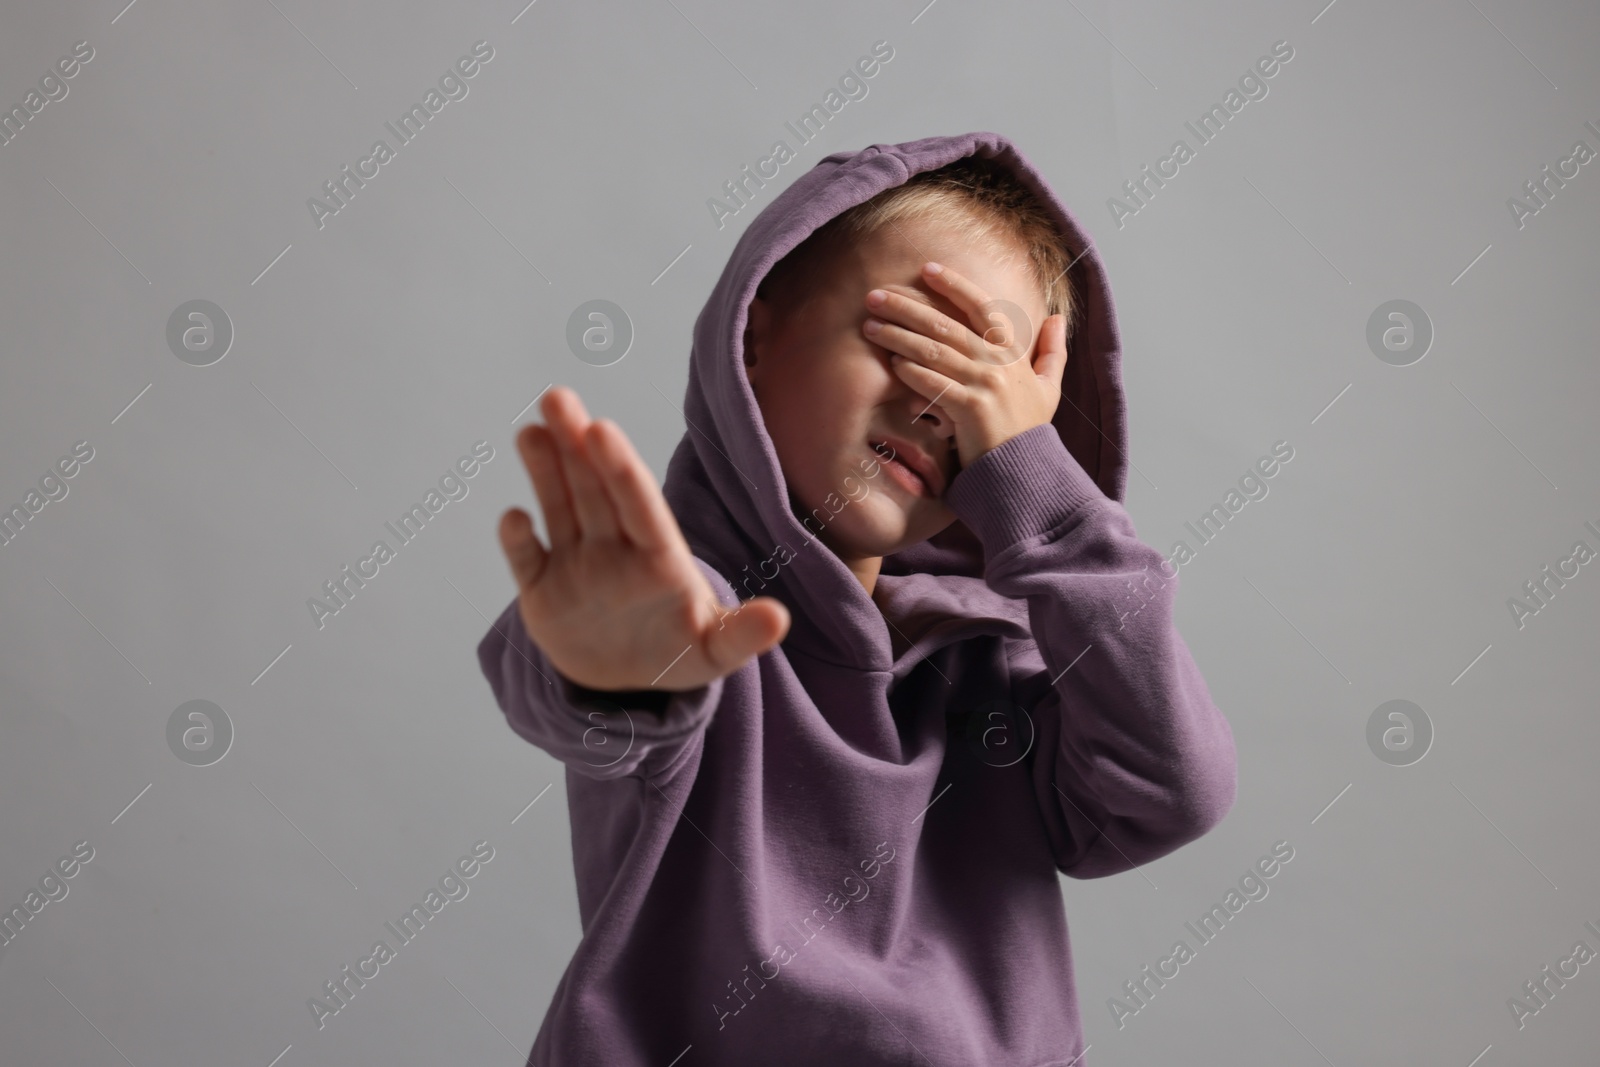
(915, 458)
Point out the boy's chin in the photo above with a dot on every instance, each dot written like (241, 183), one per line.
(877, 524)
(882, 532)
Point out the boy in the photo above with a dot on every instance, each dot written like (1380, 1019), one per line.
(844, 848)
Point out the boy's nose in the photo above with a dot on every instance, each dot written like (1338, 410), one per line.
(930, 416)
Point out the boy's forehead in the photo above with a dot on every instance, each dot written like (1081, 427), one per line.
(872, 265)
(892, 260)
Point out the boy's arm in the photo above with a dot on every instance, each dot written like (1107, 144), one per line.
(1132, 759)
(641, 733)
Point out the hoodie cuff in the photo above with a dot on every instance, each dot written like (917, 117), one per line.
(674, 711)
(1024, 487)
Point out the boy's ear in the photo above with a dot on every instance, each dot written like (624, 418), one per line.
(757, 329)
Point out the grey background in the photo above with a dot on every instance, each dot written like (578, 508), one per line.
(433, 308)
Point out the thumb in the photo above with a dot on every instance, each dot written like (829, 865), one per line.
(1051, 361)
(754, 627)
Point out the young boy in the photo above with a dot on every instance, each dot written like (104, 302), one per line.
(844, 848)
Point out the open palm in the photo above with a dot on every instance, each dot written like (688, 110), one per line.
(617, 601)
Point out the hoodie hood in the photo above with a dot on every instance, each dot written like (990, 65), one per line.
(727, 490)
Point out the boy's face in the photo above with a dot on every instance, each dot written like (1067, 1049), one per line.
(827, 394)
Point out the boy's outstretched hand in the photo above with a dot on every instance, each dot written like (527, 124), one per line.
(617, 602)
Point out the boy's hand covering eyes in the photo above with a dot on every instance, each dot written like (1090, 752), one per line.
(617, 602)
(981, 376)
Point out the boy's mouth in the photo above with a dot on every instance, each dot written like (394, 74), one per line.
(911, 467)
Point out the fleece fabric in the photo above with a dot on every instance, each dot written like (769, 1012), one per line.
(848, 851)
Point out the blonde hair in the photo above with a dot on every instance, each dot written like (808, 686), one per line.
(977, 199)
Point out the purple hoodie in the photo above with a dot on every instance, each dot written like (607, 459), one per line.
(847, 851)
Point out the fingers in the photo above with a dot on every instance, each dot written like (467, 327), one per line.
(727, 642)
(1004, 325)
(963, 293)
(1051, 361)
(567, 422)
(1003, 328)
(917, 346)
(641, 509)
(924, 333)
(926, 382)
(591, 481)
(900, 316)
(539, 455)
(522, 548)
(757, 625)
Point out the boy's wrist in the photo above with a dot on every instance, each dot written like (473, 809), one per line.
(1026, 485)
(648, 699)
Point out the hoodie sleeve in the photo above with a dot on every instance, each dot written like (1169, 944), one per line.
(1132, 758)
(598, 734)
